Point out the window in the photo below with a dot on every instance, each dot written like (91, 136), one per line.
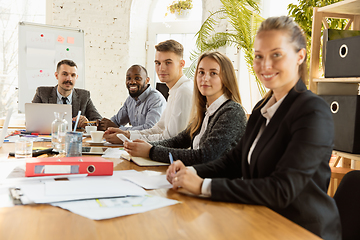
(164, 26)
(11, 13)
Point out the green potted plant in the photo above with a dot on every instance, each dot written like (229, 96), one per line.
(243, 18)
(180, 7)
(303, 14)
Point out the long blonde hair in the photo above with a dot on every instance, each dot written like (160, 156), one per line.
(230, 89)
(296, 37)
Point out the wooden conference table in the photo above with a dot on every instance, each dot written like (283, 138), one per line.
(193, 218)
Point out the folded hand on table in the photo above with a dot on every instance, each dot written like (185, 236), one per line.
(180, 176)
(104, 124)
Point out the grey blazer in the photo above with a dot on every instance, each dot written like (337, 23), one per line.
(80, 101)
(225, 129)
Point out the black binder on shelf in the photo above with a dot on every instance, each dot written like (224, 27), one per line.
(342, 58)
(346, 115)
(333, 34)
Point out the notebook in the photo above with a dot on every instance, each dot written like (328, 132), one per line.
(143, 162)
(39, 116)
(5, 127)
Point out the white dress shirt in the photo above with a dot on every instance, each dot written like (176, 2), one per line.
(175, 117)
(59, 98)
(209, 112)
(268, 112)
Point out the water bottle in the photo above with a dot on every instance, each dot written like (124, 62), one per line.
(59, 127)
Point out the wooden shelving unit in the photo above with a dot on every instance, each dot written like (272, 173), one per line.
(348, 9)
(337, 80)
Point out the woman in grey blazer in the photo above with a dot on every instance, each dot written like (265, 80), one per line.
(217, 123)
(282, 161)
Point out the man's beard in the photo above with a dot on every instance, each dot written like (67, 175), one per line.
(140, 90)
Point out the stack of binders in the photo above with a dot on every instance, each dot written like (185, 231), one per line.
(342, 61)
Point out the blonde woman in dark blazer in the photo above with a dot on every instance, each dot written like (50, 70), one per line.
(282, 161)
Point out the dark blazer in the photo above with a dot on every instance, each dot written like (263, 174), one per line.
(289, 168)
(80, 101)
(224, 130)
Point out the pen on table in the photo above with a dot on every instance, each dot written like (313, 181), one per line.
(171, 158)
(77, 121)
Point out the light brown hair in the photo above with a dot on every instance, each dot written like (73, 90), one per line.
(230, 89)
(171, 46)
(68, 62)
(296, 37)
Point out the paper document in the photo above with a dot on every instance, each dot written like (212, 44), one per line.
(8, 165)
(113, 153)
(5, 200)
(58, 191)
(117, 175)
(145, 179)
(148, 182)
(98, 209)
(142, 162)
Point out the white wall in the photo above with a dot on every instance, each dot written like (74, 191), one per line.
(112, 44)
(106, 26)
(139, 18)
(116, 38)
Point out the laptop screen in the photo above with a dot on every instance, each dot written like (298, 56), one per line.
(39, 116)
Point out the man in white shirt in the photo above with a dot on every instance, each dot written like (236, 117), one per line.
(169, 64)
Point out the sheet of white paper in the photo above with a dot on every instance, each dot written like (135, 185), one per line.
(145, 179)
(115, 207)
(5, 200)
(83, 189)
(113, 153)
(151, 173)
(117, 175)
(149, 182)
(7, 165)
(45, 178)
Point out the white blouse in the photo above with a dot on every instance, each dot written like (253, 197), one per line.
(209, 112)
(268, 112)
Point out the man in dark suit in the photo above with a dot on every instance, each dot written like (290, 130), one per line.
(65, 93)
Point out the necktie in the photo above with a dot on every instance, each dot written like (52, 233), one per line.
(64, 100)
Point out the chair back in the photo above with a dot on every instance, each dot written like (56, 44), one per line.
(161, 87)
(347, 198)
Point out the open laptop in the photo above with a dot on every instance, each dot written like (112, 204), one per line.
(5, 127)
(39, 116)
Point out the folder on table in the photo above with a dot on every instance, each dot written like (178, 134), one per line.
(93, 166)
(142, 162)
